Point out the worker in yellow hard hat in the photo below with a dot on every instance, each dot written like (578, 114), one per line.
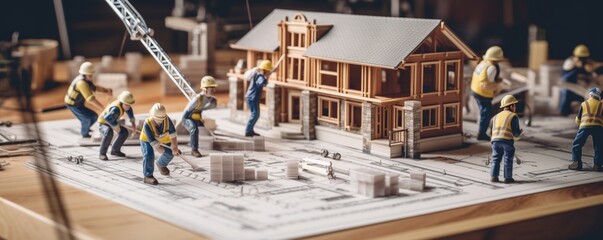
(258, 79)
(80, 91)
(192, 117)
(158, 134)
(108, 124)
(484, 85)
(590, 118)
(577, 67)
(505, 130)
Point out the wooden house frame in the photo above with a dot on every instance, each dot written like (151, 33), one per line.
(348, 76)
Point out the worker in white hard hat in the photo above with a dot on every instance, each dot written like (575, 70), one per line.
(576, 68)
(108, 123)
(82, 90)
(192, 117)
(254, 93)
(484, 86)
(158, 131)
(590, 118)
(505, 131)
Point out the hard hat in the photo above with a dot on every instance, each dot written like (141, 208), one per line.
(87, 68)
(581, 51)
(508, 100)
(494, 53)
(126, 97)
(208, 82)
(158, 111)
(266, 65)
(595, 92)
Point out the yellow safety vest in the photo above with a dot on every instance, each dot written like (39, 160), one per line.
(502, 125)
(116, 103)
(73, 93)
(163, 137)
(592, 113)
(481, 79)
(196, 113)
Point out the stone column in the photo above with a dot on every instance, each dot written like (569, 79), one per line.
(309, 111)
(412, 124)
(273, 100)
(366, 127)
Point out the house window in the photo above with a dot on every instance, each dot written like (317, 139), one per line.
(296, 69)
(430, 77)
(354, 116)
(399, 118)
(452, 70)
(298, 40)
(328, 73)
(329, 109)
(355, 77)
(451, 115)
(397, 83)
(429, 118)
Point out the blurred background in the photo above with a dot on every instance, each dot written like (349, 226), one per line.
(93, 30)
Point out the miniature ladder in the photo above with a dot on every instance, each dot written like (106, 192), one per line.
(139, 31)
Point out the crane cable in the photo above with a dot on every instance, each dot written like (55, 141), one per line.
(249, 14)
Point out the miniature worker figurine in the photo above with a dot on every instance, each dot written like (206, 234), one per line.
(108, 121)
(158, 134)
(575, 68)
(484, 85)
(82, 90)
(504, 133)
(254, 93)
(590, 118)
(330, 171)
(192, 118)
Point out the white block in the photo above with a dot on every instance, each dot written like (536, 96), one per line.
(261, 174)
(249, 174)
(238, 167)
(227, 168)
(417, 175)
(391, 179)
(292, 170)
(215, 167)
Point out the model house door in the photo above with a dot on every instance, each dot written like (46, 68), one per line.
(294, 111)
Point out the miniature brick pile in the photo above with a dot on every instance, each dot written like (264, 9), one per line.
(228, 167)
(416, 182)
(373, 183)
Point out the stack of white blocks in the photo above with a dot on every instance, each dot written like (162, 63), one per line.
(261, 174)
(416, 182)
(292, 170)
(368, 182)
(392, 186)
(226, 167)
(373, 183)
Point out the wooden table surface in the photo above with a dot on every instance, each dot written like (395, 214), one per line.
(564, 213)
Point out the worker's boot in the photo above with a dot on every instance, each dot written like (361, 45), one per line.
(150, 180)
(163, 170)
(494, 179)
(118, 153)
(103, 157)
(509, 180)
(576, 165)
(196, 153)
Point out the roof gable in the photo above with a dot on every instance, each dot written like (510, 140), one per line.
(367, 40)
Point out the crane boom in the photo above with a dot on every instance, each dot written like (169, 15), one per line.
(139, 30)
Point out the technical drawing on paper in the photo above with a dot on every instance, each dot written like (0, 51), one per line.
(311, 204)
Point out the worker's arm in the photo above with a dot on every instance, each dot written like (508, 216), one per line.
(210, 103)
(87, 93)
(190, 107)
(515, 127)
(579, 116)
(173, 138)
(104, 90)
(130, 114)
(493, 81)
(151, 138)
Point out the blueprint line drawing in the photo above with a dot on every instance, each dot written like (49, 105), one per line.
(312, 204)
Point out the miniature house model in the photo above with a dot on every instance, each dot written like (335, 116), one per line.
(346, 79)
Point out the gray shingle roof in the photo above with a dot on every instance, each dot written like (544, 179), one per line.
(371, 40)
